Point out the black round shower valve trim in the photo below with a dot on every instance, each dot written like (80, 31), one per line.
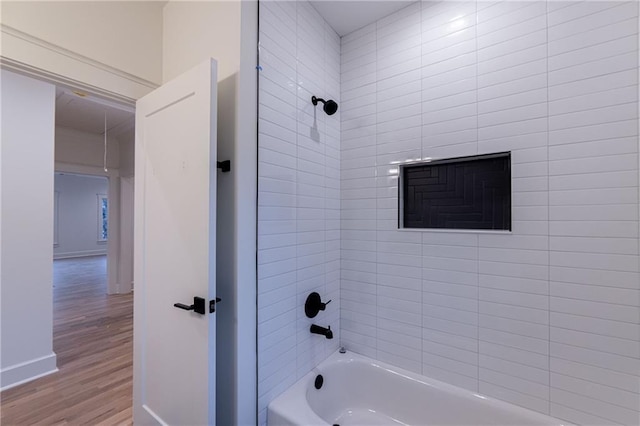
(314, 304)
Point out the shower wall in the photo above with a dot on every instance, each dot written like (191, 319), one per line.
(298, 193)
(548, 316)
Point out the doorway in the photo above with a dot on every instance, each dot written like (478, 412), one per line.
(96, 137)
(92, 270)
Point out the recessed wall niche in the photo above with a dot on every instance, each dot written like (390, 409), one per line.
(472, 193)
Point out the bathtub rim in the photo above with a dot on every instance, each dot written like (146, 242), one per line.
(294, 403)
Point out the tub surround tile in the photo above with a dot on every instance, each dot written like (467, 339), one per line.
(548, 316)
(299, 193)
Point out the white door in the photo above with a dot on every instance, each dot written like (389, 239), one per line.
(174, 255)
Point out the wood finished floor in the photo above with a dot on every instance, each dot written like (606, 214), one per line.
(92, 337)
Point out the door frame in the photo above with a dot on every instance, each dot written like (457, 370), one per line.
(113, 243)
(36, 58)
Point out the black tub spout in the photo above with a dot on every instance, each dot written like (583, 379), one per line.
(326, 332)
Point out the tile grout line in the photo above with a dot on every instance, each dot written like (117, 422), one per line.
(477, 236)
(422, 277)
(548, 216)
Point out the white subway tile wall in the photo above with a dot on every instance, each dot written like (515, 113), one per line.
(298, 193)
(547, 317)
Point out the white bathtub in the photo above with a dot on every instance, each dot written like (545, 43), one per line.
(359, 391)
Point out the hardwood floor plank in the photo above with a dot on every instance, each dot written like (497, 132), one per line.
(93, 339)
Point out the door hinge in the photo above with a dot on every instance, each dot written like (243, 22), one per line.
(212, 304)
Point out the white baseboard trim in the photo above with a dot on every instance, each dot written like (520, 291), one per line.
(124, 289)
(150, 417)
(18, 374)
(73, 254)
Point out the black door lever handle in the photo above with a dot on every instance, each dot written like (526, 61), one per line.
(183, 306)
(198, 305)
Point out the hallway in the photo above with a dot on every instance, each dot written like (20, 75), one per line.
(92, 338)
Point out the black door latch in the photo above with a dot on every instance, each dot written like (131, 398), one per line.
(212, 304)
(224, 166)
(197, 307)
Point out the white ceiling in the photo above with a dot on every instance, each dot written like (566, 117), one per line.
(348, 16)
(87, 113)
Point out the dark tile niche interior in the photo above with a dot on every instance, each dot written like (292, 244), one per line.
(458, 193)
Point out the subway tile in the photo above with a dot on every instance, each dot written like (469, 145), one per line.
(593, 53)
(576, 416)
(623, 62)
(512, 45)
(556, 84)
(515, 114)
(515, 397)
(530, 344)
(452, 377)
(595, 310)
(588, 101)
(594, 406)
(608, 114)
(492, 10)
(523, 285)
(575, 11)
(513, 354)
(594, 84)
(626, 246)
(512, 311)
(625, 178)
(523, 328)
(514, 59)
(451, 365)
(595, 376)
(514, 383)
(505, 15)
(594, 196)
(596, 36)
(611, 345)
(531, 374)
(609, 262)
(595, 358)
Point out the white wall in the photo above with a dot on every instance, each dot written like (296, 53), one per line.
(547, 317)
(227, 31)
(299, 193)
(127, 181)
(81, 152)
(126, 153)
(125, 35)
(83, 148)
(195, 30)
(26, 223)
(78, 215)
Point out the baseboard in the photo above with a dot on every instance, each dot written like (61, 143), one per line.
(18, 374)
(122, 289)
(73, 254)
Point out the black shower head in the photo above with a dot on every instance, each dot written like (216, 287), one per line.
(330, 106)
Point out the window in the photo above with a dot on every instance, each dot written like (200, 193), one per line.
(457, 193)
(103, 217)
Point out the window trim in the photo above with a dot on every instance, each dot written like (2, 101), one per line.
(100, 198)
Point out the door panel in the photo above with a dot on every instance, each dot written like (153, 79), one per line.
(174, 349)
